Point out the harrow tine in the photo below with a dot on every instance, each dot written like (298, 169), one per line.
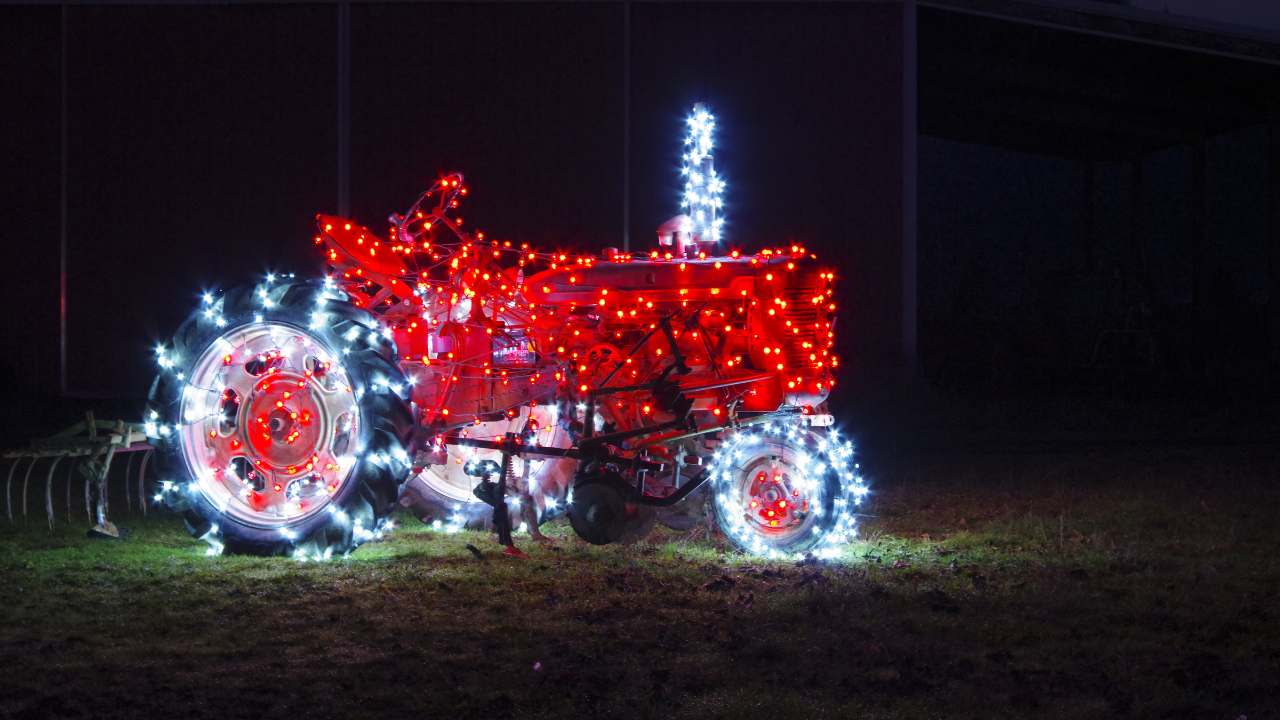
(106, 483)
(8, 499)
(48, 490)
(128, 465)
(70, 472)
(142, 475)
(25, 478)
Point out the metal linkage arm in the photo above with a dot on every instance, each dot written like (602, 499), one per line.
(589, 421)
(516, 448)
(681, 493)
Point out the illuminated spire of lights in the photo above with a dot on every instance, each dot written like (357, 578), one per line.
(702, 188)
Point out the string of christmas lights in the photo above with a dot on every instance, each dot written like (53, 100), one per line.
(702, 187)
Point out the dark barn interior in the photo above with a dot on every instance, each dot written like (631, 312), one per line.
(1122, 242)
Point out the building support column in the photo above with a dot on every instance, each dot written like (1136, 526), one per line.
(62, 220)
(1273, 206)
(626, 126)
(1200, 291)
(344, 109)
(910, 299)
(1138, 222)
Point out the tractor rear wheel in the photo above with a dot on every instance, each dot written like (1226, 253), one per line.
(281, 422)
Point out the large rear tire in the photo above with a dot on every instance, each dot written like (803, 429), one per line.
(281, 422)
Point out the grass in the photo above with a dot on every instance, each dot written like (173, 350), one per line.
(1100, 584)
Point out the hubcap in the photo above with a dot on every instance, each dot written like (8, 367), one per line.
(772, 492)
(270, 424)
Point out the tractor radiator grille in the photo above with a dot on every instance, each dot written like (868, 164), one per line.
(804, 315)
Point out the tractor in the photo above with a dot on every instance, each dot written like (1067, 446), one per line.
(486, 384)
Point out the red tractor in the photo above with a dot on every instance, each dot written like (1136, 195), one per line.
(478, 380)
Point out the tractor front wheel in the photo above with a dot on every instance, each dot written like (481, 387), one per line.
(784, 490)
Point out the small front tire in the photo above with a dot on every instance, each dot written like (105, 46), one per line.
(784, 490)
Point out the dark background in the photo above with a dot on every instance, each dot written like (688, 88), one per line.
(202, 142)
(203, 139)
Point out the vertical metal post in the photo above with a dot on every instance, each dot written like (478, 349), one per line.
(910, 301)
(626, 126)
(1273, 196)
(1138, 221)
(128, 465)
(1200, 300)
(1089, 216)
(344, 109)
(142, 483)
(48, 490)
(62, 219)
(501, 518)
(71, 471)
(98, 487)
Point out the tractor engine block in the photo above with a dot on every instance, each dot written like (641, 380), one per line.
(484, 329)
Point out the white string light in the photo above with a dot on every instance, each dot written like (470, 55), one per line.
(702, 188)
(828, 453)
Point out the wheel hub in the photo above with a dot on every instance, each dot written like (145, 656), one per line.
(774, 501)
(283, 423)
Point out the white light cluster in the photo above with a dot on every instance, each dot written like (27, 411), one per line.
(214, 538)
(456, 521)
(816, 457)
(702, 188)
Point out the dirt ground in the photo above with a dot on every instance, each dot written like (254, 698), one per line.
(1131, 582)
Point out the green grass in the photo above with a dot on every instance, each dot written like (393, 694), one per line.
(1126, 584)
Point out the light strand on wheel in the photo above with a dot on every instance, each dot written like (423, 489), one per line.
(263, 424)
(776, 485)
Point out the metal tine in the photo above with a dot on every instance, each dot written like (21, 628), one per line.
(8, 503)
(142, 475)
(48, 490)
(106, 483)
(25, 478)
(71, 473)
(128, 465)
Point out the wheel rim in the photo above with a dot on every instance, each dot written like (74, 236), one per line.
(270, 424)
(769, 493)
(776, 487)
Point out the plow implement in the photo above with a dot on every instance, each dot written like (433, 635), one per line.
(90, 448)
